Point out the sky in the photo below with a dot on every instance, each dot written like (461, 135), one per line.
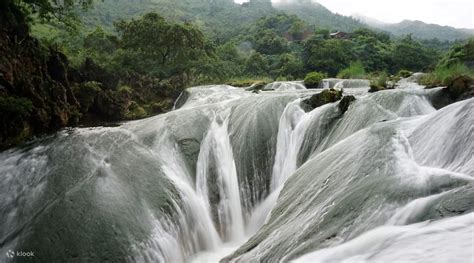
(456, 13)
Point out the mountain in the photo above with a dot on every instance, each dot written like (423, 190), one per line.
(318, 15)
(418, 29)
(220, 19)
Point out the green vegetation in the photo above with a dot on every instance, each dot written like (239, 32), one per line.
(379, 82)
(125, 59)
(354, 71)
(456, 63)
(312, 80)
(442, 75)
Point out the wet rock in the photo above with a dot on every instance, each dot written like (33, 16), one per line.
(345, 103)
(257, 86)
(325, 97)
(460, 87)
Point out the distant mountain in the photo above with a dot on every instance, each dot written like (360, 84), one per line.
(418, 29)
(222, 19)
(318, 15)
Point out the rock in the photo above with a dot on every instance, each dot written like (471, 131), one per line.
(257, 86)
(325, 97)
(375, 88)
(345, 103)
(460, 87)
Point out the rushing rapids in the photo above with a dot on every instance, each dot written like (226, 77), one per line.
(236, 176)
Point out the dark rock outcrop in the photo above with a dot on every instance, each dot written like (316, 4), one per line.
(319, 99)
(345, 103)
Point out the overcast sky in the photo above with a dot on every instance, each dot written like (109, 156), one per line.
(456, 13)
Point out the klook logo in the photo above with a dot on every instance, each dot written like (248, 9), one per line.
(10, 254)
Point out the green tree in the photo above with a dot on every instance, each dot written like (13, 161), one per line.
(171, 47)
(328, 56)
(411, 55)
(256, 65)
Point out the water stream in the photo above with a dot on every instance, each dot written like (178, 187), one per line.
(234, 176)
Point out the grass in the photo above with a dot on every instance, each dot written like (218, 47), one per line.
(443, 74)
(378, 82)
(354, 71)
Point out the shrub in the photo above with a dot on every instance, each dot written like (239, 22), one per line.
(354, 71)
(442, 75)
(312, 79)
(15, 107)
(379, 82)
(404, 73)
(86, 94)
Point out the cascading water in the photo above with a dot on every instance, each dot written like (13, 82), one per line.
(216, 146)
(247, 177)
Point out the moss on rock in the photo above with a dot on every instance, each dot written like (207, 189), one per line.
(325, 97)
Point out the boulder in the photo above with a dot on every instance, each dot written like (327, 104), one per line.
(460, 86)
(319, 99)
(345, 103)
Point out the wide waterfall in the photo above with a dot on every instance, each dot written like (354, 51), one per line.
(235, 176)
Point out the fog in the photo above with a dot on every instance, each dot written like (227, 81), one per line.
(456, 13)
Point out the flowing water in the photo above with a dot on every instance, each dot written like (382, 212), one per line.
(236, 176)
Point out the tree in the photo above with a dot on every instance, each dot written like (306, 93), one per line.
(172, 47)
(328, 56)
(411, 55)
(19, 12)
(256, 65)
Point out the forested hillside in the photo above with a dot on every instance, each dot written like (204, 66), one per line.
(126, 59)
(418, 29)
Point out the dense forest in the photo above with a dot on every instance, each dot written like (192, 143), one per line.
(86, 63)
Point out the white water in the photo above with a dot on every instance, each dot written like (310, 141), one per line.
(352, 188)
(216, 145)
(445, 240)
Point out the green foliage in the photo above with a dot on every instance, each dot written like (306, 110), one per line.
(256, 65)
(463, 53)
(15, 107)
(328, 56)
(379, 82)
(86, 94)
(403, 73)
(161, 44)
(312, 79)
(354, 71)
(442, 75)
(411, 55)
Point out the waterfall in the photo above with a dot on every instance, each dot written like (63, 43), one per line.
(216, 156)
(242, 177)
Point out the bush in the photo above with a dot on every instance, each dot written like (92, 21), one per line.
(86, 93)
(354, 71)
(379, 82)
(312, 79)
(442, 75)
(404, 73)
(15, 107)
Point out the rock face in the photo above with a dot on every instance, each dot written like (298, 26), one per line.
(35, 92)
(40, 93)
(461, 87)
(325, 97)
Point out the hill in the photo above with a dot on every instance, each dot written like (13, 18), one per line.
(318, 15)
(418, 29)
